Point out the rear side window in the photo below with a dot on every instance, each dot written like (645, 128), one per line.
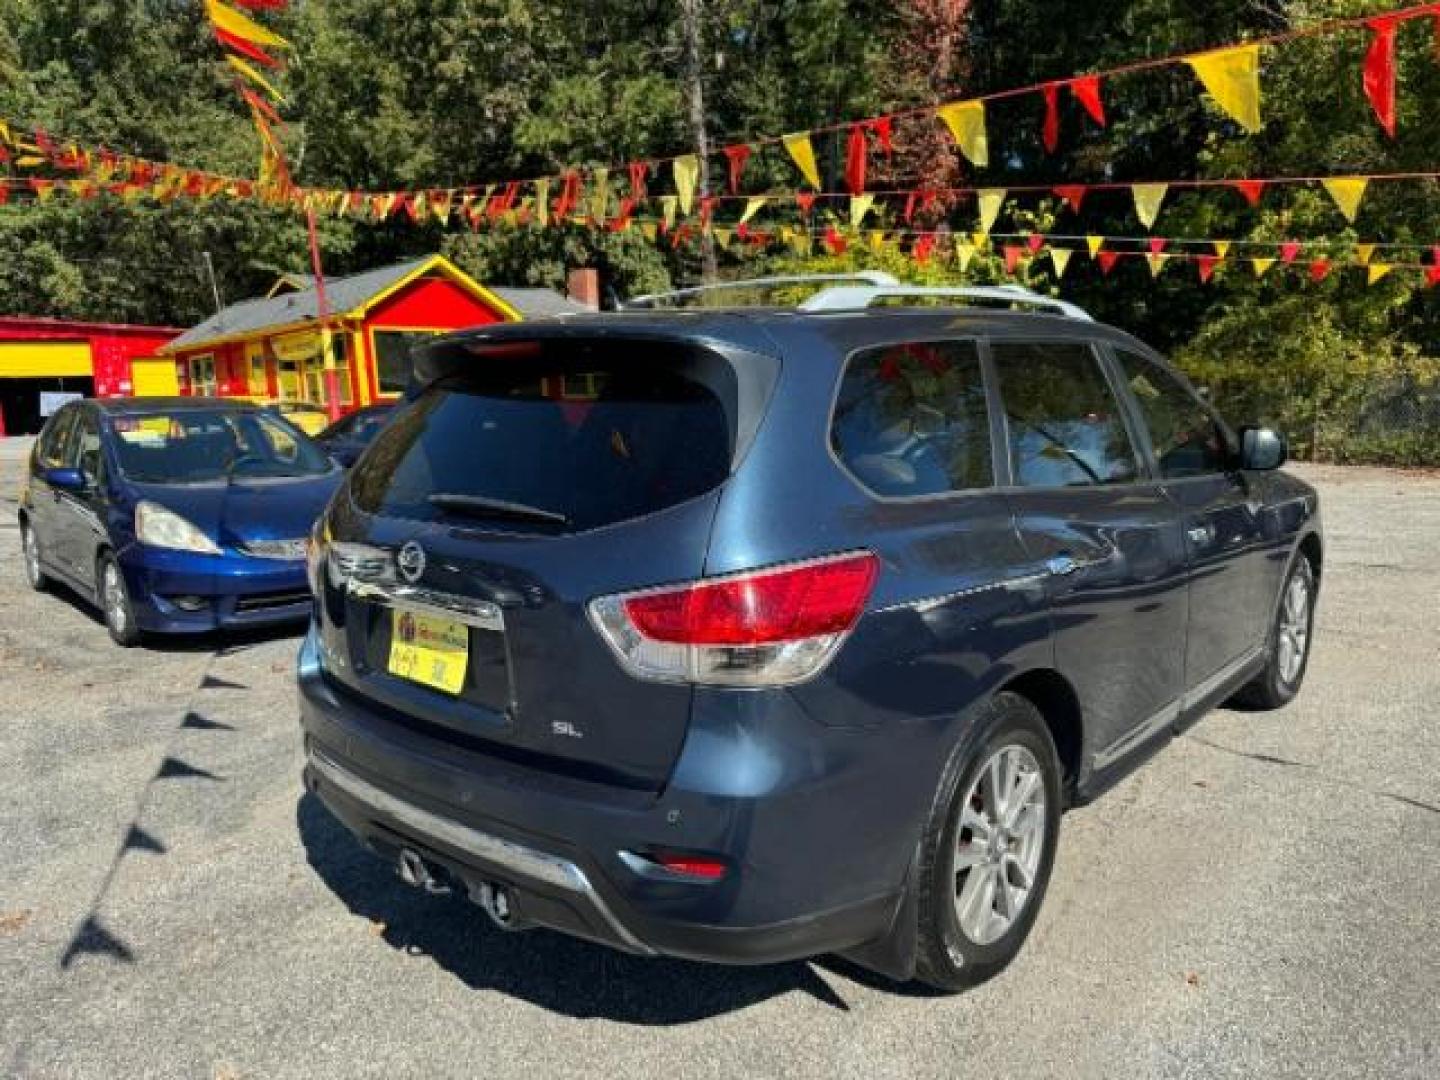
(1188, 440)
(911, 419)
(51, 449)
(558, 438)
(1065, 425)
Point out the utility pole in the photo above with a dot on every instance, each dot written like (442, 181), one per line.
(322, 313)
(692, 19)
(214, 288)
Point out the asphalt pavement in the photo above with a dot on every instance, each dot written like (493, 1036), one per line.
(1260, 900)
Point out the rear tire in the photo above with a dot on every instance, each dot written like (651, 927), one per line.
(988, 847)
(1291, 636)
(35, 575)
(115, 603)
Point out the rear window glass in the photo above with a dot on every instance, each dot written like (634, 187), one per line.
(562, 440)
(911, 419)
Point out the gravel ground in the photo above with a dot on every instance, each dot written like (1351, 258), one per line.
(1259, 900)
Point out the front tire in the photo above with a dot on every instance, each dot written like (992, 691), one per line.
(116, 605)
(1291, 636)
(989, 846)
(35, 575)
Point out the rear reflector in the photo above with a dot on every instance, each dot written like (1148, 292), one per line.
(760, 628)
(690, 866)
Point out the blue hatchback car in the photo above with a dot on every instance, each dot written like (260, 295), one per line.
(175, 515)
(747, 635)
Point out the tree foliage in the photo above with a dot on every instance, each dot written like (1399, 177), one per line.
(433, 93)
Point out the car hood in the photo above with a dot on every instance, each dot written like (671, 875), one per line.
(248, 510)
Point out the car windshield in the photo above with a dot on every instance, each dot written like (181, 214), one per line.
(198, 445)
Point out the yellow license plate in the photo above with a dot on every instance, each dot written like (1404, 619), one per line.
(430, 651)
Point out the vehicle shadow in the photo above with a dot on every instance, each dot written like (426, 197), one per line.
(556, 972)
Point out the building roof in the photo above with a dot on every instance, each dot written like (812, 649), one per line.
(347, 295)
(78, 328)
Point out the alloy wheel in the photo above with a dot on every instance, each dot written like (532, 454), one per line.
(1294, 631)
(32, 557)
(117, 609)
(999, 844)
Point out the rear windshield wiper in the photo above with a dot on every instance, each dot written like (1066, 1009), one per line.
(483, 506)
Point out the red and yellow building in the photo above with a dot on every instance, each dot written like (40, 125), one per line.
(44, 361)
(269, 348)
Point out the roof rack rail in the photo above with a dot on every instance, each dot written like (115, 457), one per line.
(859, 297)
(872, 279)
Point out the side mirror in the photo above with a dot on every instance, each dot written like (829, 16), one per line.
(66, 479)
(1262, 449)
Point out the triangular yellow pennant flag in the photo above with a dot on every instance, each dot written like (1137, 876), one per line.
(1261, 265)
(860, 206)
(991, 200)
(232, 22)
(752, 207)
(800, 240)
(1233, 78)
(1222, 247)
(1148, 198)
(542, 202)
(980, 240)
(1376, 271)
(803, 154)
(1094, 243)
(648, 229)
(254, 76)
(966, 121)
(667, 210)
(1157, 262)
(687, 171)
(1347, 191)
(1060, 258)
(600, 193)
(876, 239)
(1364, 253)
(963, 254)
(723, 236)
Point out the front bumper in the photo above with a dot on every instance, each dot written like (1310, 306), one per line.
(236, 591)
(556, 844)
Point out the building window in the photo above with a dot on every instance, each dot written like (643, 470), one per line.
(259, 383)
(393, 366)
(202, 375)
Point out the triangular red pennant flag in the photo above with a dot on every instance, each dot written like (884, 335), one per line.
(1319, 270)
(1251, 189)
(882, 129)
(834, 241)
(910, 206)
(1380, 72)
(924, 245)
(1087, 92)
(4, 194)
(737, 156)
(855, 160)
(1432, 275)
(1035, 241)
(1288, 250)
(1107, 260)
(1206, 266)
(1012, 257)
(805, 200)
(707, 209)
(1050, 131)
(1074, 194)
(638, 170)
(569, 195)
(1157, 244)
(235, 43)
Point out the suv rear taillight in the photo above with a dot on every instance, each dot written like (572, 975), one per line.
(769, 627)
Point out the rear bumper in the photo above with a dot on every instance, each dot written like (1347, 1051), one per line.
(559, 851)
(235, 591)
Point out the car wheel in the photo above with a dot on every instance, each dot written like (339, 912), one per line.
(115, 602)
(988, 847)
(30, 547)
(1289, 646)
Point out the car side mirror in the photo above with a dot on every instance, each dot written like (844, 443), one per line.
(1262, 449)
(66, 479)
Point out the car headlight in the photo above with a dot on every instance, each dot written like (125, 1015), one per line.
(158, 527)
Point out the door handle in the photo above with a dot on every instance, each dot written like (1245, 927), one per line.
(1061, 565)
(1200, 534)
